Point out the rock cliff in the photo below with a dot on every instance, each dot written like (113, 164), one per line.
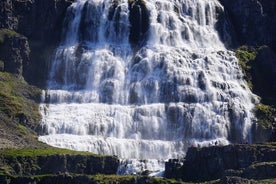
(31, 30)
(19, 165)
(41, 22)
(205, 164)
(14, 51)
(254, 21)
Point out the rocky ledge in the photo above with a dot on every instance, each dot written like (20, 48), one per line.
(26, 163)
(211, 163)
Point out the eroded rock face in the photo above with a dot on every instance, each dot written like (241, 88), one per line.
(41, 22)
(254, 21)
(265, 72)
(203, 164)
(56, 164)
(14, 51)
(37, 20)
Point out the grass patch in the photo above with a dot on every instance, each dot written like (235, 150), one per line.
(107, 179)
(270, 143)
(18, 99)
(19, 111)
(48, 151)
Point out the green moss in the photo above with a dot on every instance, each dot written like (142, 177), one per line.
(255, 76)
(265, 115)
(107, 179)
(1, 66)
(5, 170)
(19, 111)
(18, 99)
(266, 181)
(270, 143)
(262, 164)
(4, 33)
(34, 152)
(246, 57)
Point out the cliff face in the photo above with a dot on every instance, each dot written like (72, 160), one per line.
(254, 21)
(253, 24)
(52, 165)
(14, 51)
(31, 30)
(41, 22)
(246, 161)
(59, 163)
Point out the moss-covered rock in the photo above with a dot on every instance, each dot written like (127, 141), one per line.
(37, 161)
(246, 56)
(258, 65)
(19, 112)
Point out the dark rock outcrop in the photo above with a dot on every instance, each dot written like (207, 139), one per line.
(246, 161)
(139, 23)
(41, 22)
(14, 51)
(38, 19)
(254, 21)
(264, 73)
(84, 179)
(56, 164)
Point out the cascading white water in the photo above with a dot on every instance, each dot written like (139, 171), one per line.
(181, 88)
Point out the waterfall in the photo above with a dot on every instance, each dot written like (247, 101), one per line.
(178, 87)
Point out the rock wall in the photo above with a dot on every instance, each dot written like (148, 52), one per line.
(14, 51)
(254, 21)
(59, 163)
(38, 19)
(41, 22)
(204, 164)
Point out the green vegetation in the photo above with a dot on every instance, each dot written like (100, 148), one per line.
(1, 65)
(262, 164)
(106, 179)
(256, 75)
(101, 179)
(4, 33)
(270, 143)
(47, 151)
(246, 57)
(265, 115)
(19, 111)
(17, 98)
(266, 181)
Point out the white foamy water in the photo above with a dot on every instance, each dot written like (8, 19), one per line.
(181, 88)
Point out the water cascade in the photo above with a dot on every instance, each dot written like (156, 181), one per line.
(174, 86)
